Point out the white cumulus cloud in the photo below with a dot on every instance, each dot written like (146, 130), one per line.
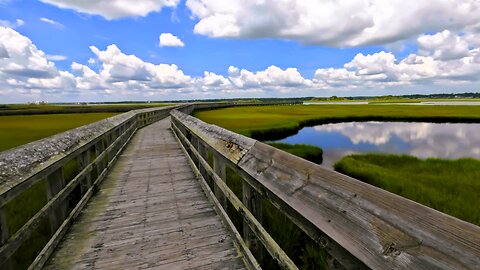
(115, 9)
(273, 76)
(444, 45)
(343, 23)
(26, 69)
(169, 40)
(120, 70)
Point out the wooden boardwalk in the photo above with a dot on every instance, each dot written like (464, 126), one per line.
(149, 213)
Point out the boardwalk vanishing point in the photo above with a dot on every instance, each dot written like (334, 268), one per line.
(149, 213)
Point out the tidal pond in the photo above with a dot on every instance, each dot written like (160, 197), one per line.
(442, 140)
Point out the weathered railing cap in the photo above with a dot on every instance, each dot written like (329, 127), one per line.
(231, 145)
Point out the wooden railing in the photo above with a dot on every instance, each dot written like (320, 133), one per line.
(45, 184)
(359, 225)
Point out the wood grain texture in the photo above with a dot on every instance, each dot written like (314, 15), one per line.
(150, 213)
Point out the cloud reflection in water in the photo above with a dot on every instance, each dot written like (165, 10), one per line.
(423, 140)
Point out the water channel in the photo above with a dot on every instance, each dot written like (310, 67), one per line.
(423, 140)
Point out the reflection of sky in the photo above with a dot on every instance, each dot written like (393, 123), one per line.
(419, 139)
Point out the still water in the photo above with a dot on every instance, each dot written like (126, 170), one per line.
(423, 140)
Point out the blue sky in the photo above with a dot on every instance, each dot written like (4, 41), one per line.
(248, 49)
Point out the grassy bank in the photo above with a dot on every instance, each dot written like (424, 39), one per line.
(450, 186)
(21, 129)
(309, 152)
(276, 122)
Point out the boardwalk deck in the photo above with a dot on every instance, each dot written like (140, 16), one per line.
(150, 213)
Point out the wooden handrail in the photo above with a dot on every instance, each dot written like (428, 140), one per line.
(360, 225)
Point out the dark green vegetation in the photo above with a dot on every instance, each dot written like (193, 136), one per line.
(21, 129)
(450, 186)
(309, 152)
(277, 122)
(63, 109)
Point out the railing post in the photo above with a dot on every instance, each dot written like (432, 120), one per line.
(100, 164)
(219, 168)
(194, 142)
(108, 140)
(4, 235)
(253, 202)
(55, 183)
(83, 160)
(202, 149)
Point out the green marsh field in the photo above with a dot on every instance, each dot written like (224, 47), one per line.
(16, 130)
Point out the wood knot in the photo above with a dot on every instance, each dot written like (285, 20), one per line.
(323, 241)
(391, 250)
(232, 146)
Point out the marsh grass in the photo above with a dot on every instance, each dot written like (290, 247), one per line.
(21, 129)
(309, 152)
(450, 186)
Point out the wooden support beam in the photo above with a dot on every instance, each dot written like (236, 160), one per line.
(55, 183)
(220, 169)
(83, 160)
(203, 150)
(4, 235)
(253, 202)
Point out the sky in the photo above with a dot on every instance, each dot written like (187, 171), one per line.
(121, 50)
